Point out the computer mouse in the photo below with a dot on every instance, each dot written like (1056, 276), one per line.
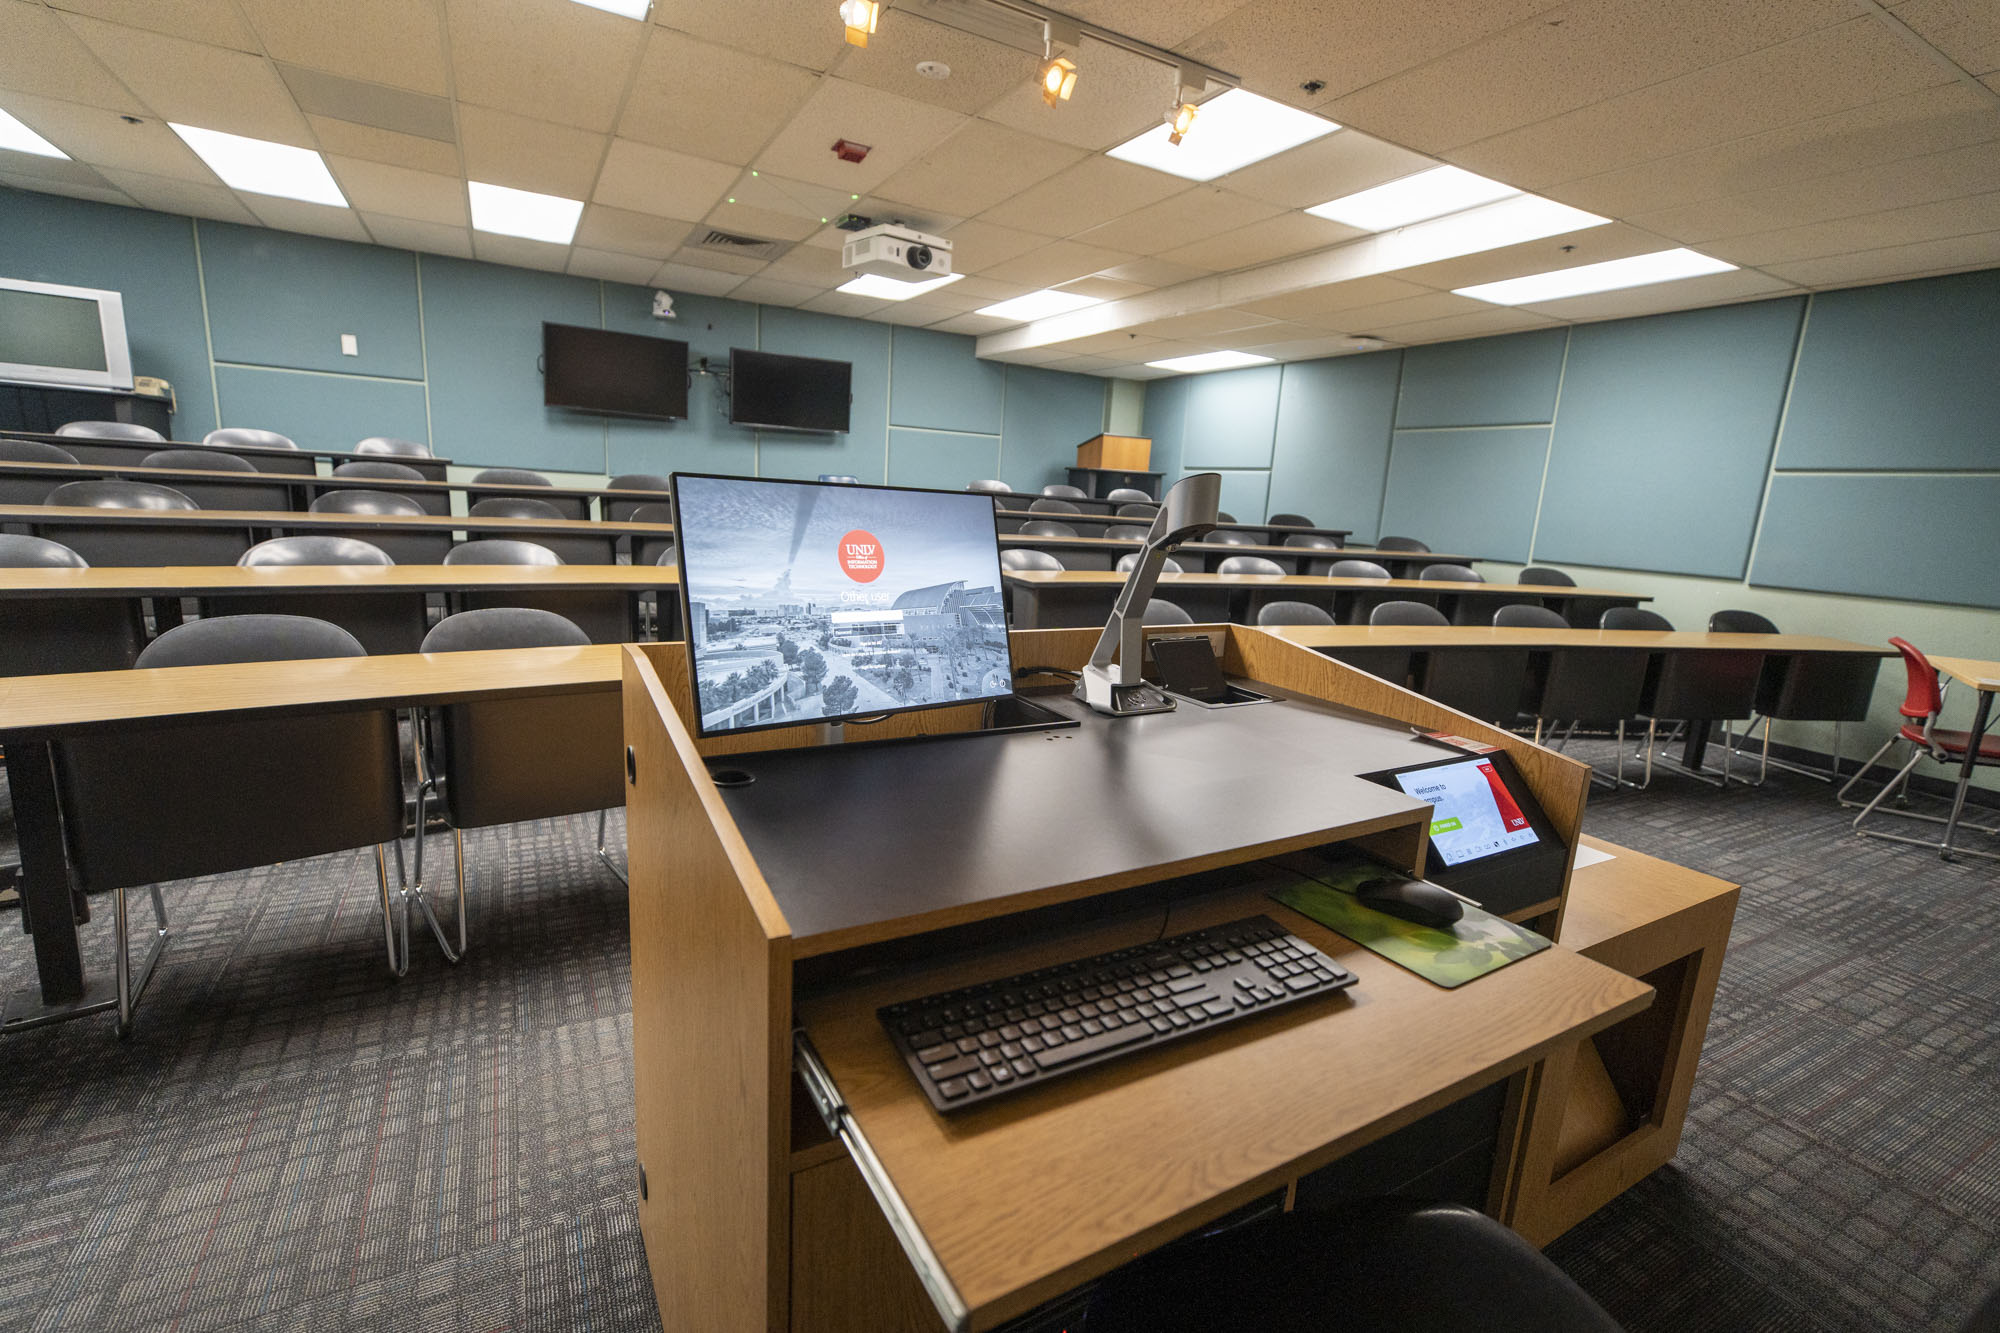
(1411, 899)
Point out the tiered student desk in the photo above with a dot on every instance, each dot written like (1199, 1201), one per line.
(90, 449)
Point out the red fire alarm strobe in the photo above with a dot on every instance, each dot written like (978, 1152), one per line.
(849, 152)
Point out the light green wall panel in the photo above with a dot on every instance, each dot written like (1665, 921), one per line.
(1335, 419)
(1231, 416)
(276, 298)
(1469, 492)
(320, 411)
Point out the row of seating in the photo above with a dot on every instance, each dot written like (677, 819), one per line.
(235, 437)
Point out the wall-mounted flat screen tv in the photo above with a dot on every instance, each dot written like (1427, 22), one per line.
(789, 392)
(619, 374)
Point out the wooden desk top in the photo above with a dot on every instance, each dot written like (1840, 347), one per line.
(1111, 578)
(264, 518)
(1458, 636)
(1648, 893)
(167, 476)
(1031, 1195)
(51, 705)
(206, 580)
(1981, 676)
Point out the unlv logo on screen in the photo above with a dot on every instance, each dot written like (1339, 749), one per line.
(861, 556)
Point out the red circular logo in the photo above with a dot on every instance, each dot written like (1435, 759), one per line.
(861, 556)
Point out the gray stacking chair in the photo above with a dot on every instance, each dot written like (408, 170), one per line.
(1290, 521)
(365, 502)
(46, 636)
(1128, 495)
(606, 616)
(1047, 528)
(1692, 687)
(110, 430)
(1552, 578)
(406, 544)
(1063, 492)
(1292, 613)
(1249, 564)
(1230, 537)
(1450, 574)
(618, 509)
(143, 543)
(245, 437)
(1483, 682)
(1246, 604)
(1357, 606)
(509, 476)
(390, 446)
(1052, 507)
(510, 506)
(1594, 686)
(30, 490)
(990, 485)
(1224, 516)
(1162, 612)
(1311, 541)
(1019, 557)
(1125, 532)
(383, 622)
(33, 451)
(272, 495)
(373, 470)
(117, 493)
(646, 547)
(206, 460)
(839, 479)
(146, 804)
(1167, 566)
(1808, 687)
(1410, 544)
(1138, 510)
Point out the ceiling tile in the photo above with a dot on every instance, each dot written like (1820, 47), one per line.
(741, 266)
(1319, 302)
(1306, 349)
(1124, 343)
(1053, 264)
(809, 265)
(1093, 191)
(100, 194)
(1161, 22)
(1616, 241)
(973, 324)
(587, 263)
(744, 220)
(320, 92)
(430, 237)
(376, 187)
(190, 198)
(978, 245)
(916, 314)
(842, 303)
(104, 139)
(551, 61)
(896, 130)
(35, 166)
(1082, 365)
(645, 179)
(1896, 261)
(1260, 242)
(1327, 168)
(396, 42)
(209, 86)
(1200, 325)
(1372, 319)
(1151, 272)
(1871, 231)
(401, 150)
(1103, 289)
(713, 101)
(981, 70)
(1181, 220)
(700, 281)
(770, 291)
(614, 229)
(313, 219)
(1472, 324)
(1118, 95)
(505, 149)
(215, 22)
(519, 252)
(38, 54)
(807, 35)
(1968, 31)
(976, 168)
(1713, 289)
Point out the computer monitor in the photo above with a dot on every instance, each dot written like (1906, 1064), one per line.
(820, 601)
(57, 335)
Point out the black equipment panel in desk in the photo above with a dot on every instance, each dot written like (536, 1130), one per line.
(944, 830)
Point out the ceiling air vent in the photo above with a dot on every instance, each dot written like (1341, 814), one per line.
(749, 247)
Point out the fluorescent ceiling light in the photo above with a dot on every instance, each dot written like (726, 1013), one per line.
(258, 166)
(1235, 129)
(892, 289)
(1609, 276)
(535, 217)
(1038, 305)
(1428, 194)
(1210, 361)
(631, 9)
(15, 135)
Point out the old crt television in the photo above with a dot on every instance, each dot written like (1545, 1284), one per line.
(809, 602)
(775, 392)
(73, 336)
(1490, 839)
(617, 374)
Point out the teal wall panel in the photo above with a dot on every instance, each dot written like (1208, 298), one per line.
(1335, 418)
(705, 442)
(939, 459)
(1166, 423)
(1506, 381)
(1664, 439)
(276, 298)
(321, 411)
(1245, 493)
(1048, 413)
(150, 257)
(1231, 416)
(1852, 534)
(1900, 377)
(483, 327)
(938, 383)
(1471, 492)
(860, 452)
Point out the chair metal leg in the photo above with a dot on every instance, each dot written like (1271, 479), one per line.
(1861, 772)
(130, 990)
(417, 892)
(604, 854)
(396, 940)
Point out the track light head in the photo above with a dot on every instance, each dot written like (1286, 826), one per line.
(861, 17)
(1058, 79)
(1181, 119)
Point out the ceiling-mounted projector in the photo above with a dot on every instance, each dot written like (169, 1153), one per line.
(895, 251)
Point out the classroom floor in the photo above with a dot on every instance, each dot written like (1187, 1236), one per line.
(293, 1141)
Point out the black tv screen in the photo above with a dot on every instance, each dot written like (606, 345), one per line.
(788, 392)
(621, 374)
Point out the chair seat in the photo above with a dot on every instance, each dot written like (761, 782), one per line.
(1956, 742)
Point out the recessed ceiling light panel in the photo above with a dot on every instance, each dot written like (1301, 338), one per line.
(631, 9)
(1188, 365)
(1428, 194)
(258, 166)
(503, 211)
(1038, 305)
(15, 135)
(1237, 128)
(1609, 276)
(876, 287)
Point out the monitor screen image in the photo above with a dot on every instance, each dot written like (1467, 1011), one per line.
(619, 374)
(1475, 817)
(811, 602)
(788, 392)
(63, 335)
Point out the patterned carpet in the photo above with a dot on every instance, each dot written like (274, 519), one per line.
(294, 1141)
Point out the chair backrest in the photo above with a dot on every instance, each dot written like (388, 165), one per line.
(246, 437)
(200, 459)
(110, 430)
(1291, 521)
(499, 551)
(1922, 697)
(1450, 574)
(1633, 617)
(315, 549)
(1162, 612)
(1249, 564)
(839, 479)
(989, 485)
(34, 451)
(504, 627)
(1020, 557)
(23, 552)
(1356, 569)
(510, 506)
(118, 494)
(670, 554)
(509, 476)
(1406, 613)
(1127, 495)
(219, 640)
(1224, 516)
(1047, 527)
(639, 481)
(1125, 532)
(364, 502)
(1230, 537)
(1136, 510)
(1740, 622)
(1062, 492)
(1292, 613)
(389, 444)
(1312, 541)
(1167, 566)
(1053, 507)
(654, 513)
(1402, 544)
(1528, 617)
(1554, 578)
(378, 471)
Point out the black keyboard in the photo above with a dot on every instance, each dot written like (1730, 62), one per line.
(969, 1046)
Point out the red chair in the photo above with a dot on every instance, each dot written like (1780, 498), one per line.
(1922, 703)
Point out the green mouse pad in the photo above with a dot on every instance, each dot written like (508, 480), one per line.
(1475, 944)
